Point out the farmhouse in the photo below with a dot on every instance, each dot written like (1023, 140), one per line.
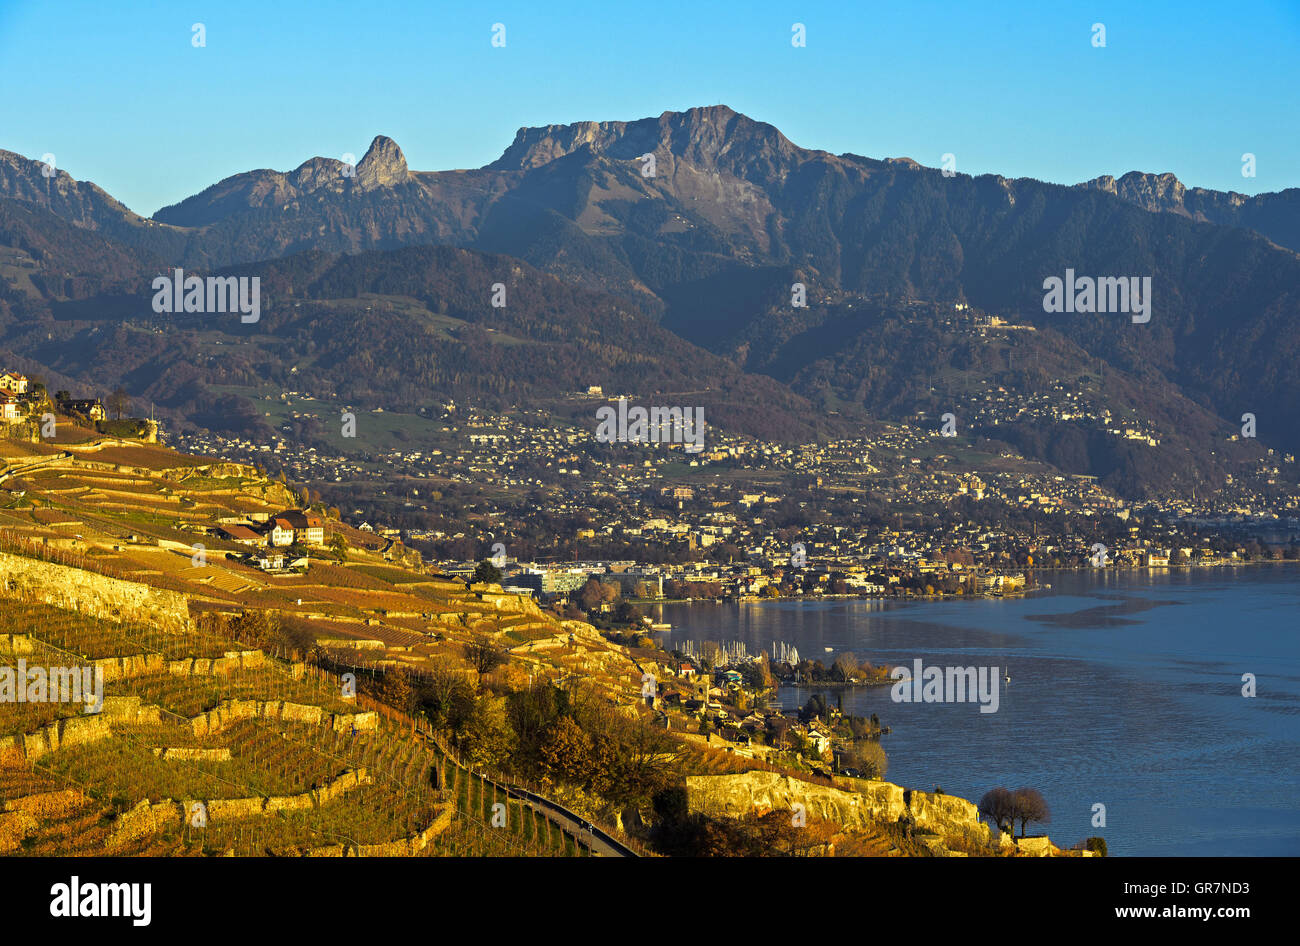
(267, 561)
(280, 531)
(307, 527)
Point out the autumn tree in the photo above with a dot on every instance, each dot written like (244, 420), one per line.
(395, 690)
(564, 752)
(486, 738)
(594, 593)
(868, 757)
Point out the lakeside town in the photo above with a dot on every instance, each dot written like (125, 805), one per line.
(893, 513)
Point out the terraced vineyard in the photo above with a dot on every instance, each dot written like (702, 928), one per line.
(517, 829)
(98, 569)
(91, 639)
(280, 762)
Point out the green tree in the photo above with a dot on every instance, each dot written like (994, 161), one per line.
(816, 706)
(486, 573)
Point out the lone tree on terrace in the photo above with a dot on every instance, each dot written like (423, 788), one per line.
(1004, 808)
(486, 573)
(998, 805)
(119, 402)
(1030, 806)
(484, 653)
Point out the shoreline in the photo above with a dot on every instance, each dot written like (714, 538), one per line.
(922, 596)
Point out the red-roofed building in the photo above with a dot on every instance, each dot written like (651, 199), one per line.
(13, 382)
(243, 535)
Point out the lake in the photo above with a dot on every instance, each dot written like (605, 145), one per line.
(1125, 691)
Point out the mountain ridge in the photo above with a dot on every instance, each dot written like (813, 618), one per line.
(709, 239)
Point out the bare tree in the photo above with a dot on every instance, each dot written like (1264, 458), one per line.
(710, 654)
(1029, 805)
(119, 402)
(446, 693)
(845, 666)
(998, 805)
(484, 653)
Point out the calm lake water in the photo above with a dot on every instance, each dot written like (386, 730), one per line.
(1125, 691)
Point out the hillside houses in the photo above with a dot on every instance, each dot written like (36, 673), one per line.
(11, 382)
(19, 397)
(724, 525)
(291, 527)
(15, 395)
(91, 408)
(242, 534)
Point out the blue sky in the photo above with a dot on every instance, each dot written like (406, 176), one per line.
(119, 95)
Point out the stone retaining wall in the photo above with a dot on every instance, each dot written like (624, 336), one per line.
(146, 818)
(90, 593)
(229, 712)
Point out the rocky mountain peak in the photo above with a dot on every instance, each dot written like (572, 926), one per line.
(714, 137)
(384, 165)
(1155, 192)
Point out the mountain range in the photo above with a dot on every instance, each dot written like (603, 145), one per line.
(657, 257)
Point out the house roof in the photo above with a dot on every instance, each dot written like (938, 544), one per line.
(240, 532)
(301, 520)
